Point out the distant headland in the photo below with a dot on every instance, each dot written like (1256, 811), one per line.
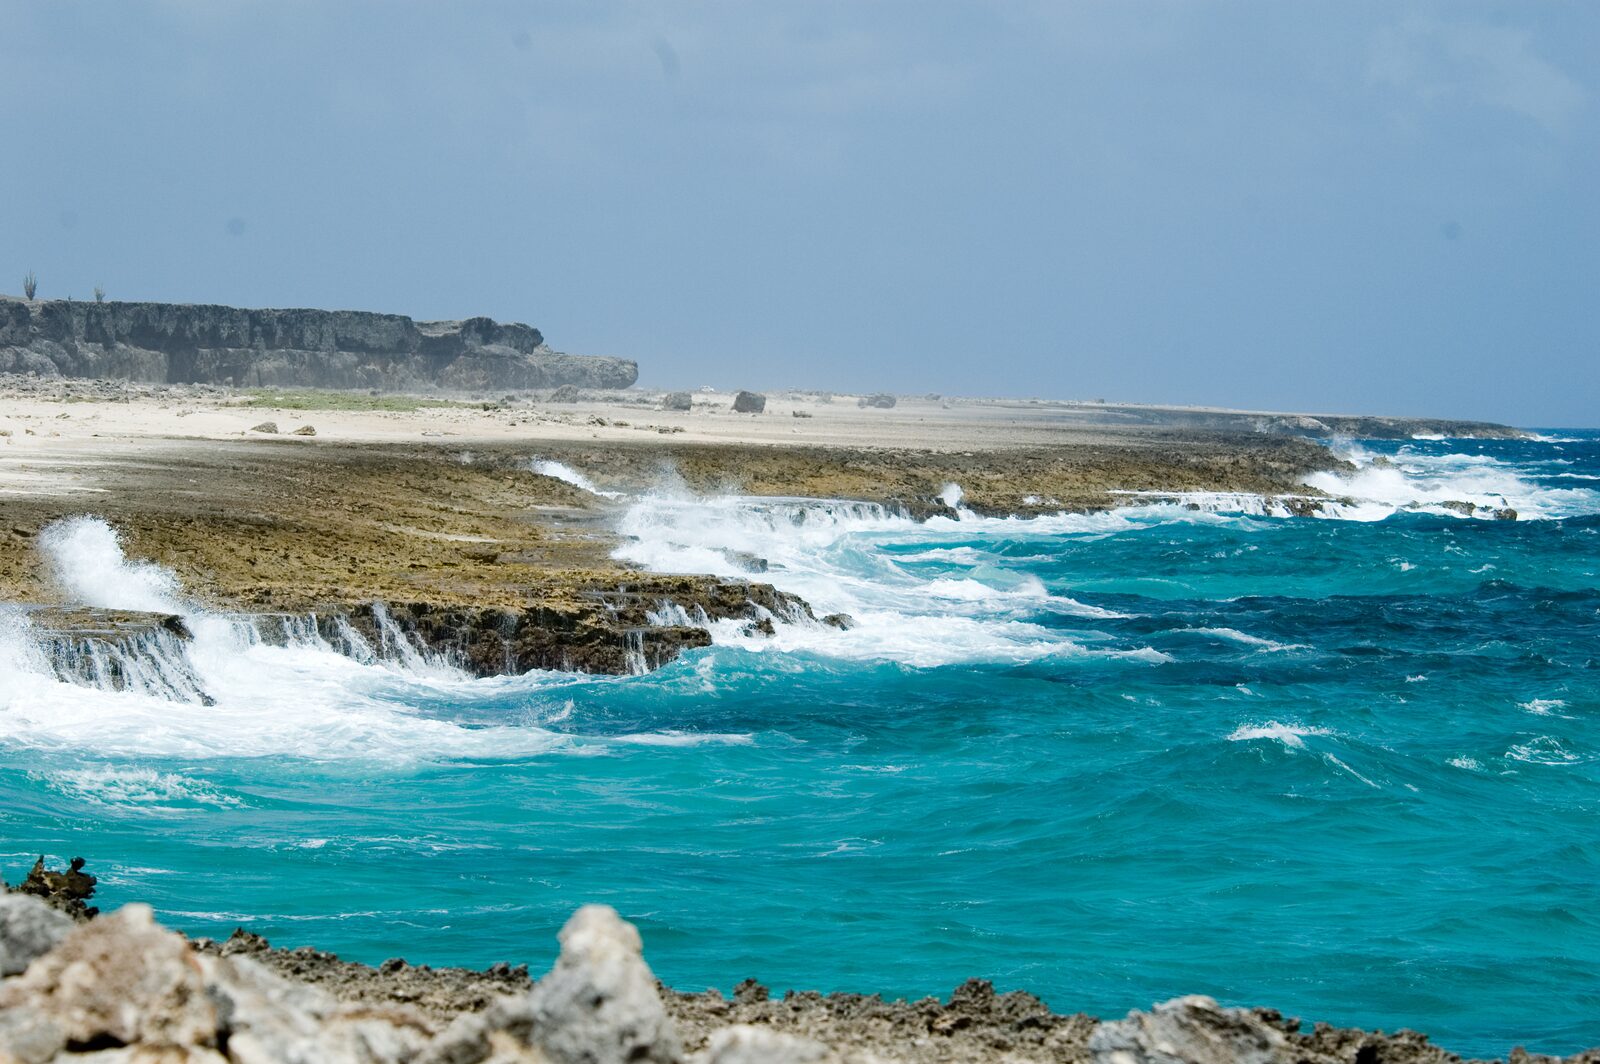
(187, 343)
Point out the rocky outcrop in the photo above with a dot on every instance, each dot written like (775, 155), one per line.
(180, 343)
(611, 629)
(122, 988)
(116, 650)
(616, 628)
(28, 930)
(749, 403)
(1205, 419)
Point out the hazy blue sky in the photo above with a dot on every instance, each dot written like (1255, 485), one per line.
(1330, 206)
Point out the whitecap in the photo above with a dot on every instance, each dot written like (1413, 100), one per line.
(1545, 750)
(1236, 636)
(1292, 736)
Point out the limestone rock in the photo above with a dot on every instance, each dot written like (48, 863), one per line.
(268, 428)
(28, 929)
(67, 891)
(749, 403)
(1190, 1030)
(119, 980)
(304, 430)
(267, 1019)
(880, 401)
(599, 1004)
(680, 401)
(180, 343)
(747, 1044)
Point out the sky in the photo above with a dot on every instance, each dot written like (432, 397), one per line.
(1340, 206)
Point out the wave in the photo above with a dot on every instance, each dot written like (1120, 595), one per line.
(1414, 480)
(1234, 635)
(297, 695)
(840, 557)
(142, 789)
(1293, 736)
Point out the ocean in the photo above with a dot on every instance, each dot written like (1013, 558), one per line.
(1347, 766)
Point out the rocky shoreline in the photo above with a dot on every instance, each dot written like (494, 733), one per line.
(474, 555)
(120, 988)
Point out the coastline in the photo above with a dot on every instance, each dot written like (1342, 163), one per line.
(439, 515)
(457, 534)
(119, 986)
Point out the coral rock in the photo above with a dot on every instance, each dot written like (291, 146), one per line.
(1190, 1030)
(28, 929)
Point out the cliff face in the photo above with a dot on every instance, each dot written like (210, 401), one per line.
(180, 343)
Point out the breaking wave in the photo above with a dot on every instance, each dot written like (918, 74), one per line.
(233, 689)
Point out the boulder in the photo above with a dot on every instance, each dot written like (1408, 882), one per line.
(680, 401)
(598, 1005)
(304, 430)
(263, 1017)
(119, 980)
(749, 403)
(567, 393)
(269, 428)
(28, 929)
(67, 891)
(880, 401)
(122, 983)
(1191, 1030)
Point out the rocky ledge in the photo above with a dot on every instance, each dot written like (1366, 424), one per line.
(121, 988)
(183, 343)
(635, 626)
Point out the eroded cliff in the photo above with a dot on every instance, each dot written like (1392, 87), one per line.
(181, 343)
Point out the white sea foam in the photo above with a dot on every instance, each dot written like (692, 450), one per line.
(1291, 735)
(1415, 480)
(85, 558)
(1543, 707)
(830, 553)
(1545, 750)
(302, 699)
(1246, 638)
(560, 471)
(140, 788)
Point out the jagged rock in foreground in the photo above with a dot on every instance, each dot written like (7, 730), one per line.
(28, 929)
(184, 343)
(121, 988)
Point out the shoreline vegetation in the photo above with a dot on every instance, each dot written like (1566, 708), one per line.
(78, 985)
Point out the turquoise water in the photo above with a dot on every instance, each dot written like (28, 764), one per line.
(1348, 767)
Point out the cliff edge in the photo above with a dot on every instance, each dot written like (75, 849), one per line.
(183, 343)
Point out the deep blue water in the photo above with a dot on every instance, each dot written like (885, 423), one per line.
(1347, 767)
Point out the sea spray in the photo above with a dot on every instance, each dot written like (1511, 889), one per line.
(1009, 806)
(86, 559)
